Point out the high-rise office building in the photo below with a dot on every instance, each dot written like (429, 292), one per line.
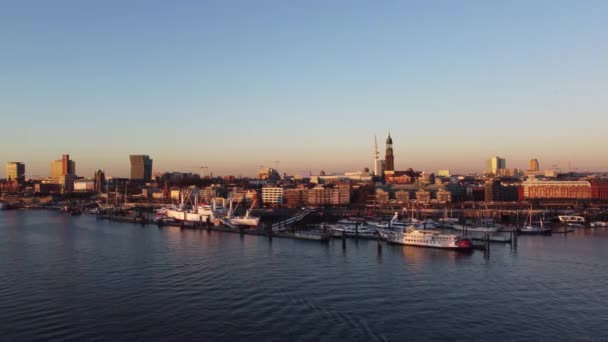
(15, 171)
(389, 158)
(141, 167)
(100, 181)
(534, 165)
(56, 169)
(494, 164)
(63, 167)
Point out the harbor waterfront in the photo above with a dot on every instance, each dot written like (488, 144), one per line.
(75, 278)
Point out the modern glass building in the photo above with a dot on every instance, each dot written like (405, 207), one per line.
(15, 171)
(494, 164)
(141, 167)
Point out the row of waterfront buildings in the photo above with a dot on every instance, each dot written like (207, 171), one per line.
(345, 190)
(451, 190)
(383, 185)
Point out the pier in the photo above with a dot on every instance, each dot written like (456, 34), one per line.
(303, 224)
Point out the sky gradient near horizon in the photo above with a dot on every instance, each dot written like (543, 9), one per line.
(232, 85)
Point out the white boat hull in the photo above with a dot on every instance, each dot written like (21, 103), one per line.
(364, 230)
(311, 236)
(534, 230)
(571, 219)
(180, 215)
(241, 222)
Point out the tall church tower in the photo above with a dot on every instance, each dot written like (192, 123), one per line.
(389, 158)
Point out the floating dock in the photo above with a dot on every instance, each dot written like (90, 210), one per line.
(494, 237)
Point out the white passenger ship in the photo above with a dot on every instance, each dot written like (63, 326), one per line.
(425, 238)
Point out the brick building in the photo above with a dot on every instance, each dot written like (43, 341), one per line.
(555, 189)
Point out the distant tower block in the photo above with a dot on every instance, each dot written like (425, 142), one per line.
(389, 158)
(141, 167)
(534, 165)
(15, 171)
(62, 167)
(495, 164)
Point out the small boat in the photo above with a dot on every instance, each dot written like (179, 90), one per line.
(534, 230)
(576, 219)
(311, 235)
(393, 224)
(531, 229)
(597, 224)
(448, 222)
(357, 229)
(396, 223)
(427, 224)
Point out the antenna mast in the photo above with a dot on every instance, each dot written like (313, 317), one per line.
(376, 154)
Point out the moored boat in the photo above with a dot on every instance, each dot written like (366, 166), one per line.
(413, 236)
(363, 230)
(195, 213)
(532, 229)
(311, 235)
(246, 221)
(425, 238)
(576, 219)
(199, 214)
(353, 227)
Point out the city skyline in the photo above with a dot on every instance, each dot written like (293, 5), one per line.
(230, 87)
(479, 168)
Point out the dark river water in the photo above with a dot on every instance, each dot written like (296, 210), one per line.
(77, 279)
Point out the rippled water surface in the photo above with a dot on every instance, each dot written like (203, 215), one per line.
(75, 279)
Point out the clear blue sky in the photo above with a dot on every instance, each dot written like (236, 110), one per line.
(232, 85)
